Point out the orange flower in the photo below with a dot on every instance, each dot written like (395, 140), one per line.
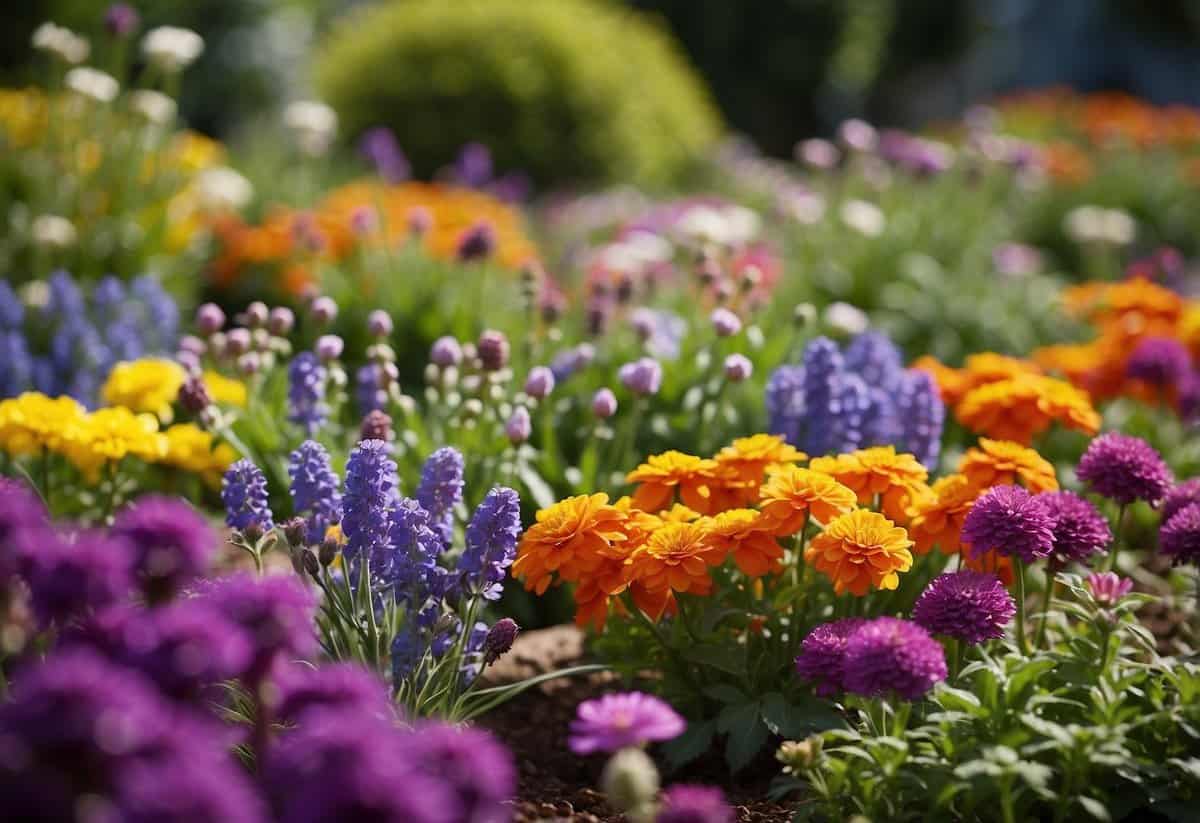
(937, 518)
(1018, 408)
(1002, 463)
(703, 485)
(792, 494)
(573, 539)
(747, 535)
(748, 459)
(991, 561)
(860, 550)
(878, 471)
(952, 384)
(679, 513)
(675, 557)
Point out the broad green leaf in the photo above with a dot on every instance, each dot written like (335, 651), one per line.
(744, 742)
(718, 657)
(725, 693)
(731, 717)
(689, 745)
(1094, 807)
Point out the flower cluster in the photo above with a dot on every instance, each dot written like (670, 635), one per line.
(884, 656)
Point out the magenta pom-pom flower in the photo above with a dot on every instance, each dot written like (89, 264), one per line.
(1011, 521)
(893, 656)
(1080, 531)
(966, 605)
(1125, 469)
(1179, 537)
(617, 721)
(822, 655)
(1182, 495)
(685, 803)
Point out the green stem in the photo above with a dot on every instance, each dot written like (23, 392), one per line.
(1051, 583)
(1022, 642)
(1112, 558)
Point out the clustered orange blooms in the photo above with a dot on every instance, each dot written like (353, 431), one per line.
(1122, 313)
(1010, 399)
(1101, 118)
(364, 213)
(689, 515)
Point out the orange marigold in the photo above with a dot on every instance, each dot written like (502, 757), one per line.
(748, 459)
(792, 494)
(1003, 463)
(1021, 407)
(748, 536)
(937, 518)
(675, 556)
(861, 550)
(951, 383)
(571, 539)
(704, 486)
(990, 561)
(897, 479)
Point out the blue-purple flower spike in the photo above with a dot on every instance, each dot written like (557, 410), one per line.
(874, 357)
(244, 493)
(441, 489)
(822, 372)
(785, 403)
(922, 416)
(492, 538)
(314, 489)
(306, 392)
(371, 494)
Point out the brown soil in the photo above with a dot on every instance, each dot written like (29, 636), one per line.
(557, 785)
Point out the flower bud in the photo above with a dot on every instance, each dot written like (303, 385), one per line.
(477, 242)
(377, 425)
(379, 323)
(121, 19)
(419, 221)
(604, 404)
(253, 532)
(630, 780)
(329, 347)
(255, 315)
(446, 352)
(249, 364)
(295, 530)
(238, 341)
(725, 323)
(209, 318)
(499, 639)
(738, 368)
(493, 350)
(539, 383)
(519, 426)
(328, 551)
(324, 310)
(194, 345)
(281, 321)
(310, 563)
(194, 396)
(800, 756)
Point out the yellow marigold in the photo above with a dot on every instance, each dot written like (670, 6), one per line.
(112, 434)
(227, 390)
(676, 556)
(860, 550)
(1189, 328)
(750, 458)
(937, 518)
(878, 472)
(32, 422)
(792, 494)
(1021, 407)
(748, 535)
(704, 486)
(572, 539)
(190, 448)
(1003, 463)
(147, 385)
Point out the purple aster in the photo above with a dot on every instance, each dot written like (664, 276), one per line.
(1124, 469)
(1161, 361)
(1011, 521)
(643, 376)
(1080, 531)
(615, 721)
(371, 492)
(477, 770)
(70, 575)
(344, 687)
(244, 493)
(823, 369)
(874, 357)
(306, 392)
(348, 765)
(1179, 537)
(785, 403)
(822, 655)
(314, 489)
(922, 416)
(441, 489)
(491, 543)
(1178, 497)
(1107, 587)
(172, 544)
(893, 656)
(966, 605)
(683, 803)
(382, 150)
(275, 613)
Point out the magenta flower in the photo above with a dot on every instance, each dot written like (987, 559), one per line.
(617, 721)
(1107, 588)
(967, 605)
(892, 656)
(1009, 520)
(1181, 496)
(1179, 537)
(684, 803)
(1124, 469)
(823, 652)
(1080, 531)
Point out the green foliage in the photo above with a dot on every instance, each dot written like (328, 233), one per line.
(565, 89)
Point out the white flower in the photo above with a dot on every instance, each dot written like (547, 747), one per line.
(803, 206)
(865, 218)
(314, 124)
(725, 225)
(633, 253)
(1094, 224)
(63, 43)
(92, 83)
(53, 232)
(223, 189)
(155, 106)
(171, 48)
(846, 318)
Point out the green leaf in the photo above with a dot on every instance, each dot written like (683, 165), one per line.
(744, 742)
(538, 489)
(725, 693)
(1094, 807)
(689, 745)
(732, 717)
(1024, 677)
(718, 657)
(958, 700)
(799, 719)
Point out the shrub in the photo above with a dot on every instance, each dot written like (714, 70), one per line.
(566, 89)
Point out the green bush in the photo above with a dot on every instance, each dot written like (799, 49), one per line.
(568, 90)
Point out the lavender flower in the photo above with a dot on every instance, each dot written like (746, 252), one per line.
(1009, 520)
(1107, 587)
(875, 358)
(683, 803)
(822, 655)
(369, 392)
(1178, 497)
(539, 383)
(441, 489)
(371, 492)
(1079, 530)
(966, 605)
(604, 403)
(314, 489)
(71, 575)
(853, 415)
(380, 147)
(306, 392)
(922, 416)
(643, 376)
(882, 425)
(519, 426)
(477, 770)
(1179, 537)
(1160, 361)
(491, 543)
(244, 493)
(785, 403)
(617, 721)
(1124, 469)
(407, 561)
(344, 687)
(823, 367)
(172, 544)
(888, 655)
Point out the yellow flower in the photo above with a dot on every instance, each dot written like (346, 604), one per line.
(227, 390)
(1018, 408)
(897, 479)
(32, 422)
(750, 458)
(1002, 462)
(704, 486)
(112, 434)
(792, 494)
(147, 385)
(860, 550)
(190, 448)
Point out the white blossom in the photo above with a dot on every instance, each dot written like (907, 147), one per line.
(223, 189)
(314, 125)
(846, 318)
(171, 48)
(865, 218)
(53, 232)
(155, 106)
(93, 83)
(63, 43)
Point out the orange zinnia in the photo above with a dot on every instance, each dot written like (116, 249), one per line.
(747, 535)
(573, 539)
(750, 458)
(860, 550)
(990, 561)
(675, 557)
(791, 494)
(897, 479)
(951, 383)
(704, 486)
(937, 518)
(1003, 463)
(1018, 408)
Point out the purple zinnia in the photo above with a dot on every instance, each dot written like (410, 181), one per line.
(244, 493)
(171, 542)
(72, 574)
(1011, 521)
(683, 803)
(1184, 494)
(472, 765)
(371, 491)
(301, 688)
(441, 489)
(1161, 361)
(1080, 531)
(822, 655)
(314, 489)
(306, 392)
(491, 542)
(642, 376)
(1125, 469)
(966, 605)
(1179, 537)
(615, 721)
(889, 655)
